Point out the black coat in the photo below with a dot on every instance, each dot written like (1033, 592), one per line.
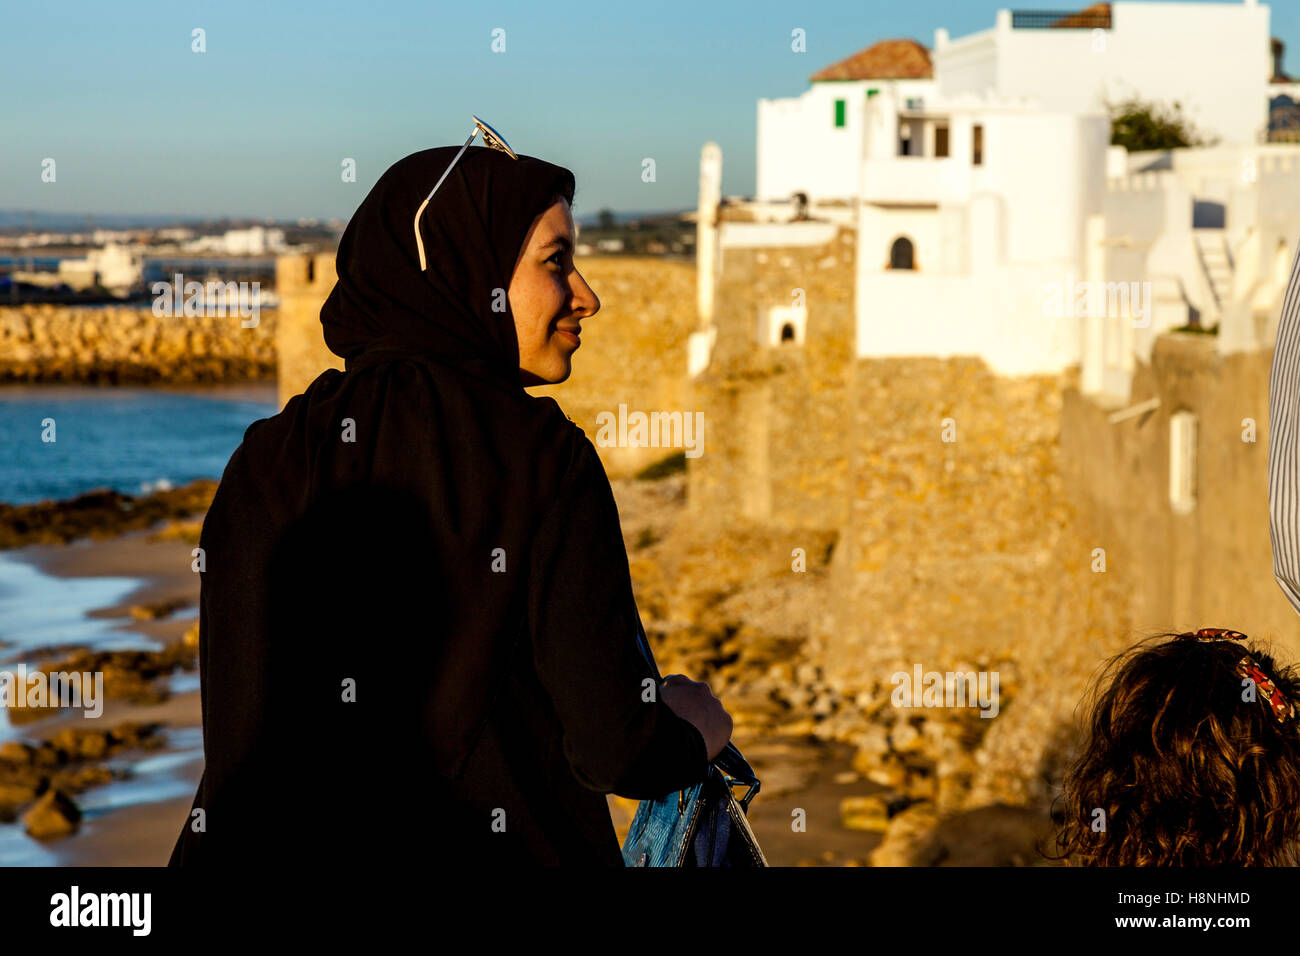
(417, 626)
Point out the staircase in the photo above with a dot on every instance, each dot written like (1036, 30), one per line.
(1216, 263)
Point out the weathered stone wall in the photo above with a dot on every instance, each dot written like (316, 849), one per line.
(633, 350)
(303, 283)
(1214, 566)
(965, 555)
(957, 506)
(777, 425)
(50, 343)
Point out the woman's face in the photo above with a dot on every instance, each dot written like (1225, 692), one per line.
(549, 299)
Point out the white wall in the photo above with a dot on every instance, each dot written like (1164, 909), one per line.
(998, 316)
(988, 243)
(969, 65)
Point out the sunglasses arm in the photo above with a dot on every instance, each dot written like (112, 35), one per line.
(419, 243)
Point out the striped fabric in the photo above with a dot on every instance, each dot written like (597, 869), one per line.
(1284, 443)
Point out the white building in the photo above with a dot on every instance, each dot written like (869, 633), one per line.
(993, 217)
(119, 269)
(956, 251)
(1213, 59)
(1209, 235)
(253, 241)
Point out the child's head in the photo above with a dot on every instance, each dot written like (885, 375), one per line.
(1192, 756)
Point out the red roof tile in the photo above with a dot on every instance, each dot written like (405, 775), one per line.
(1084, 17)
(886, 60)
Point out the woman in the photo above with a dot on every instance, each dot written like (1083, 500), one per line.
(417, 626)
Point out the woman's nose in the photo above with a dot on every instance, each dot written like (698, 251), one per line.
(584, 297)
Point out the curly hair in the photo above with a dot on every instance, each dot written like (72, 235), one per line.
(1180, 767)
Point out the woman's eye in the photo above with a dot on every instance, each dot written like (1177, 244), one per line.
(557, 258)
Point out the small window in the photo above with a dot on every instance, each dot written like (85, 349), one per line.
(839, 113)
(872, 92)
(782, 325)
(941, 140)
(900, 254)
(977, 145)
(1182, 462)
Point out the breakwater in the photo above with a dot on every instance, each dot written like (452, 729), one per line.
(127, 345)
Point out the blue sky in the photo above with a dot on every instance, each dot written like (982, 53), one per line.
(259, 124)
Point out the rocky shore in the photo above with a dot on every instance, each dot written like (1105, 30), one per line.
(120, 345)
(38, 781)
(59, 757)
(99, 514)
(933, 786)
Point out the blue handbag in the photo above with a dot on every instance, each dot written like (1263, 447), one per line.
(703, 825)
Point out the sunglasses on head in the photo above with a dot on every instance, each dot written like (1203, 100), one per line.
(492, 139)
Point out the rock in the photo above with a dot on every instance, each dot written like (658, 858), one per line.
(865, 813)
(158, 610)
(824, 705)
(16, 752)
(888, 774)
(14, 795)
(82, 778)
(808, 673)
(997, 835)
(53, 815)
(136, 734)
(85, 744)
(904, 737)
(872, 747)
(907, 839)
(920, 786)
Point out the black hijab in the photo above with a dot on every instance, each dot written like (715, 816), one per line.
(472, 232)
(376, 533)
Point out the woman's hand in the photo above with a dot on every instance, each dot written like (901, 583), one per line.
(694, 702)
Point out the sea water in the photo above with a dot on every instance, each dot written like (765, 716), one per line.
(132, 440)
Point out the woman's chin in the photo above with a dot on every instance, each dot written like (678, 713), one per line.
(552, 373)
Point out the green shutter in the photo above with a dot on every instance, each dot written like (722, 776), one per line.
(839, 113)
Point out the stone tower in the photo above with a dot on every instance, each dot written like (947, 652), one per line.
(303, 282)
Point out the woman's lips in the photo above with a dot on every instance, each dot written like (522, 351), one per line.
(573, 337)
